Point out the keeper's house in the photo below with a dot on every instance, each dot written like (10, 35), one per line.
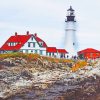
(31, 43)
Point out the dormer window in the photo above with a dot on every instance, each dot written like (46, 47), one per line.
(12, 43)
(41, 43)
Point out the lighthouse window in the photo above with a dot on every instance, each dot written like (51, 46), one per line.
(73, 43)
(71, 13)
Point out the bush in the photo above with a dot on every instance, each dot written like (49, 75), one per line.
(21, 55)
(78, 65)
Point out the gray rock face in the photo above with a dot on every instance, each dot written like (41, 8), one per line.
(8, 76)
(11, 62)
(26, 74)
(49, 79)
(3, 85)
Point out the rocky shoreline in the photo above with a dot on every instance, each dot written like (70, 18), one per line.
(89, 89)
(44, 80)
(64, 90)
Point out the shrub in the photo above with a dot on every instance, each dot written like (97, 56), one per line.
(78, 65)
(18, 54)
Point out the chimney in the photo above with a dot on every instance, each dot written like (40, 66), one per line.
(35, 34)
(15, 33)
(27, 32)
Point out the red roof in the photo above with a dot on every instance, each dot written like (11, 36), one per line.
(89, 50)
(51, 49)
(20, 40)
(62, 51)
(40, 40)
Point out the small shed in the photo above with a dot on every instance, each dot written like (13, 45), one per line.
(89, 53)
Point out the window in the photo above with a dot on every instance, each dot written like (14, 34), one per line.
(41, 44)
(21, 51)
(35, 51)
(41, 52)
(53, 53)
(73, 43)
(46, 53)
(12, 43)
(26, 51)
(32, 38)
(50, 54)
(31, 44)
(28, 44)
(15, 43)
(31, 51)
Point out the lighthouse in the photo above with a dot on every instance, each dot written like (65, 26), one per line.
(70, 33)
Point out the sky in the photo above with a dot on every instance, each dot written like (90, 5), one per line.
(47, 19)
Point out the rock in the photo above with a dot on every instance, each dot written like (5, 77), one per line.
(3, 85)
(26, 74)
(20, 61)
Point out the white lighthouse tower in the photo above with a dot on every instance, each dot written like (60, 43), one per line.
(70, 33)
